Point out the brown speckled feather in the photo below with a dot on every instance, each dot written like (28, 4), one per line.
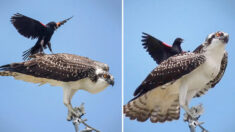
(62, 67)
(170, 70)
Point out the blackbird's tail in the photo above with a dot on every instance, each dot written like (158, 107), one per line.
(35, 49)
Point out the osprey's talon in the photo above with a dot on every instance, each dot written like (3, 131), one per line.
(194, 116)
(196, 112)
(77, 112)
(191, 116)
(70, 116)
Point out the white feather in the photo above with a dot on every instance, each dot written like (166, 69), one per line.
(197, 79)
(84, 84)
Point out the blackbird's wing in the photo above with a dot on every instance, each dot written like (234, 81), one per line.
(158, 50)
(27, 26)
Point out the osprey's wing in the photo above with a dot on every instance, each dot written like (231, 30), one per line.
(61, 67)
(198, 49)
(27, 26)
(76, 59)
(170, 70)
(213, 82)
(162, 104)
(158, 50)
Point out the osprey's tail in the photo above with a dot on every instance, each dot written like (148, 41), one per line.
(137, 109)
(10, 69)
(17, 70)
(5, 70)
(150, 107)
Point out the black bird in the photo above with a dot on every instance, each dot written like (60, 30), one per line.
(159, 50)
(32, 28)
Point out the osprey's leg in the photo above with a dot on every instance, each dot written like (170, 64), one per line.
(183, 100)
(68, 94)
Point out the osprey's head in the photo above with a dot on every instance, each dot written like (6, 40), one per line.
(216, 41)
(217, 37)
(105, 76)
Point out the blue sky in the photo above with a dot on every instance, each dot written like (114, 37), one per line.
(94, 32)
(193, 21)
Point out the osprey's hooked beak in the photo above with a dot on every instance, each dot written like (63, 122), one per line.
(222, 36)
(58, 24)
(111, 81)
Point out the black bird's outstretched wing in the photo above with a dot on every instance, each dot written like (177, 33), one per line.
(27, 26)
(158, 50)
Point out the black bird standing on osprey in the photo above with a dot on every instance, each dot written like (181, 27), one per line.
(32, 28)
(159, 50)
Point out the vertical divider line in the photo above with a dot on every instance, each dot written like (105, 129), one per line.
(122, 64)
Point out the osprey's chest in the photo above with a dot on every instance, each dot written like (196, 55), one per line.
(88, 85)
(210, 70)
(211, 67)
(206, 72)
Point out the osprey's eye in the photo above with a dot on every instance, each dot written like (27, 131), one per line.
(219, 34)
(106, 76)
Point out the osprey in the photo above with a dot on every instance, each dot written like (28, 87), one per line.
(32, 28)
(65, 70)
(159, 50)
(177, 80)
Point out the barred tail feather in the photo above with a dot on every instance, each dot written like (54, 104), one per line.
(153, 106)
(17, 71)
(5, 70)
(137, 109)
(7, 73)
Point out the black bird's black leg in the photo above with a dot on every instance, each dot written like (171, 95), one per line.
(41, 43)
(49, 46)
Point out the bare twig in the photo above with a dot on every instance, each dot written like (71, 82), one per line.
(77, 120)
(193, 123)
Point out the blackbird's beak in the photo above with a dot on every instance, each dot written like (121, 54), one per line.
(58, 24)
(182, 41)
